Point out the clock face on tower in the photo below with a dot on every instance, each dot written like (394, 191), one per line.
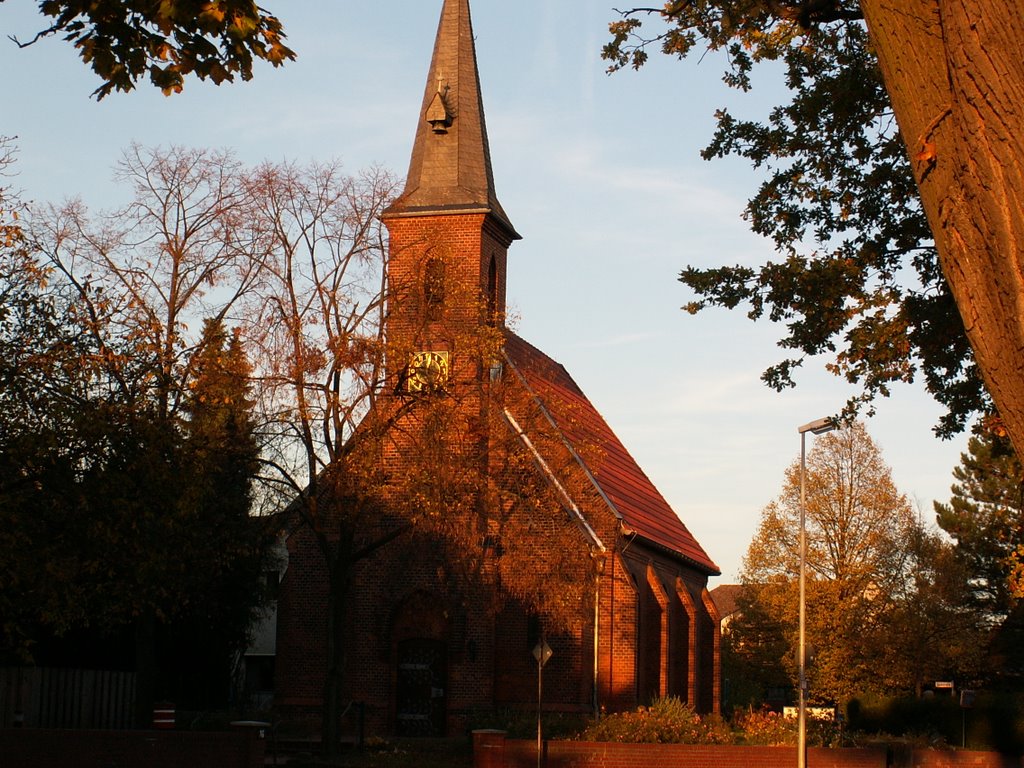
(428, 372)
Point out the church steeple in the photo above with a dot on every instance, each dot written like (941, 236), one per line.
(450, 171)
(448, 235)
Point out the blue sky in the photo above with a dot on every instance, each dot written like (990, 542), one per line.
(600, 174)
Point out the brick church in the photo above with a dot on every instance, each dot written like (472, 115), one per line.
(426, 653)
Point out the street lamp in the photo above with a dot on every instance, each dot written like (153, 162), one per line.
(816, 427)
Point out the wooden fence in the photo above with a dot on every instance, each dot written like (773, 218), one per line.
(41, 697)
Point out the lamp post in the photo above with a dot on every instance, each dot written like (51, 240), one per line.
(816, 427)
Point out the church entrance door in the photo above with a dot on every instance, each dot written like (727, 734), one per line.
(421, 687)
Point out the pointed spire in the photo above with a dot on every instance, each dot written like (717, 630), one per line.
(450, 170)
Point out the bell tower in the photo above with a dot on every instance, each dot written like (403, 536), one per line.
(449, 235)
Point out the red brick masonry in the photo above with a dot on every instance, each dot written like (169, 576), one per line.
(576, 754)
(492, 751)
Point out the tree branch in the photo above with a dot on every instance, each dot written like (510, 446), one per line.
(36, 38)
(373, 546)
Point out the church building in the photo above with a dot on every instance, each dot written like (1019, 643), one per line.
(425, 656)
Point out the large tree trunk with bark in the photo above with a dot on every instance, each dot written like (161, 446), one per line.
(954, 70)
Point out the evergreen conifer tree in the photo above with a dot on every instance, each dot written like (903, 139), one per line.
(985, 516)
(229, 548)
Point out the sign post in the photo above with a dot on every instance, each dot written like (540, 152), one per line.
(966, 702)
(541, 652)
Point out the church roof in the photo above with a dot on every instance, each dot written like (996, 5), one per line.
(450, 170)
(625, 487)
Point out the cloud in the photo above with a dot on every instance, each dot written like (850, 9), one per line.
(619, 340)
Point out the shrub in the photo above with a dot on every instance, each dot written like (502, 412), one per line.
(995, 722)
(765, 728)
(521, 723)
(666, 721)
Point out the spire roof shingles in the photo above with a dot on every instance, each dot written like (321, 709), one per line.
(450, 169)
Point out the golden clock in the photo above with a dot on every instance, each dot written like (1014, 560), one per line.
(428, 372)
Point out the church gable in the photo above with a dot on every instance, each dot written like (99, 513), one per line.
(622, 484)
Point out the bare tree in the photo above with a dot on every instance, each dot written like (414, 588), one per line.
(316, 328)
(179, 252)
(363, 457)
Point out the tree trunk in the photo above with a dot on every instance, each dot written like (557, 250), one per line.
(145, 669)
(340, 569)
(954, 70)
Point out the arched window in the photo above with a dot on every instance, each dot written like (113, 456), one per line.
(433, 288)
(492, 291)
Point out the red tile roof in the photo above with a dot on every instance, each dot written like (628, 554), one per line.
(629, 492)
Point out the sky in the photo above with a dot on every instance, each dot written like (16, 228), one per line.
(600, 174)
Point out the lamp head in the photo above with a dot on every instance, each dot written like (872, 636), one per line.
(819, 426)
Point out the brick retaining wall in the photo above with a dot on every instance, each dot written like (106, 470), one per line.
(582, 754)
(962, 758)
(576, 754)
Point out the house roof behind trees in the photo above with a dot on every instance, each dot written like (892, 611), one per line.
(725, 598)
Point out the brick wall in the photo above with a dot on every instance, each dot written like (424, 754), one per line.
(567, 674)
(569, 754)
(39, 748)
(933, 758)
(401, 595)
(468, 245)
(709, 698)
(500, 753)
(662, 638)
(619, 618)
(300, 666)
(488, 657)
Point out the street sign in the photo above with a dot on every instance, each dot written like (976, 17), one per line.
(542, 652)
